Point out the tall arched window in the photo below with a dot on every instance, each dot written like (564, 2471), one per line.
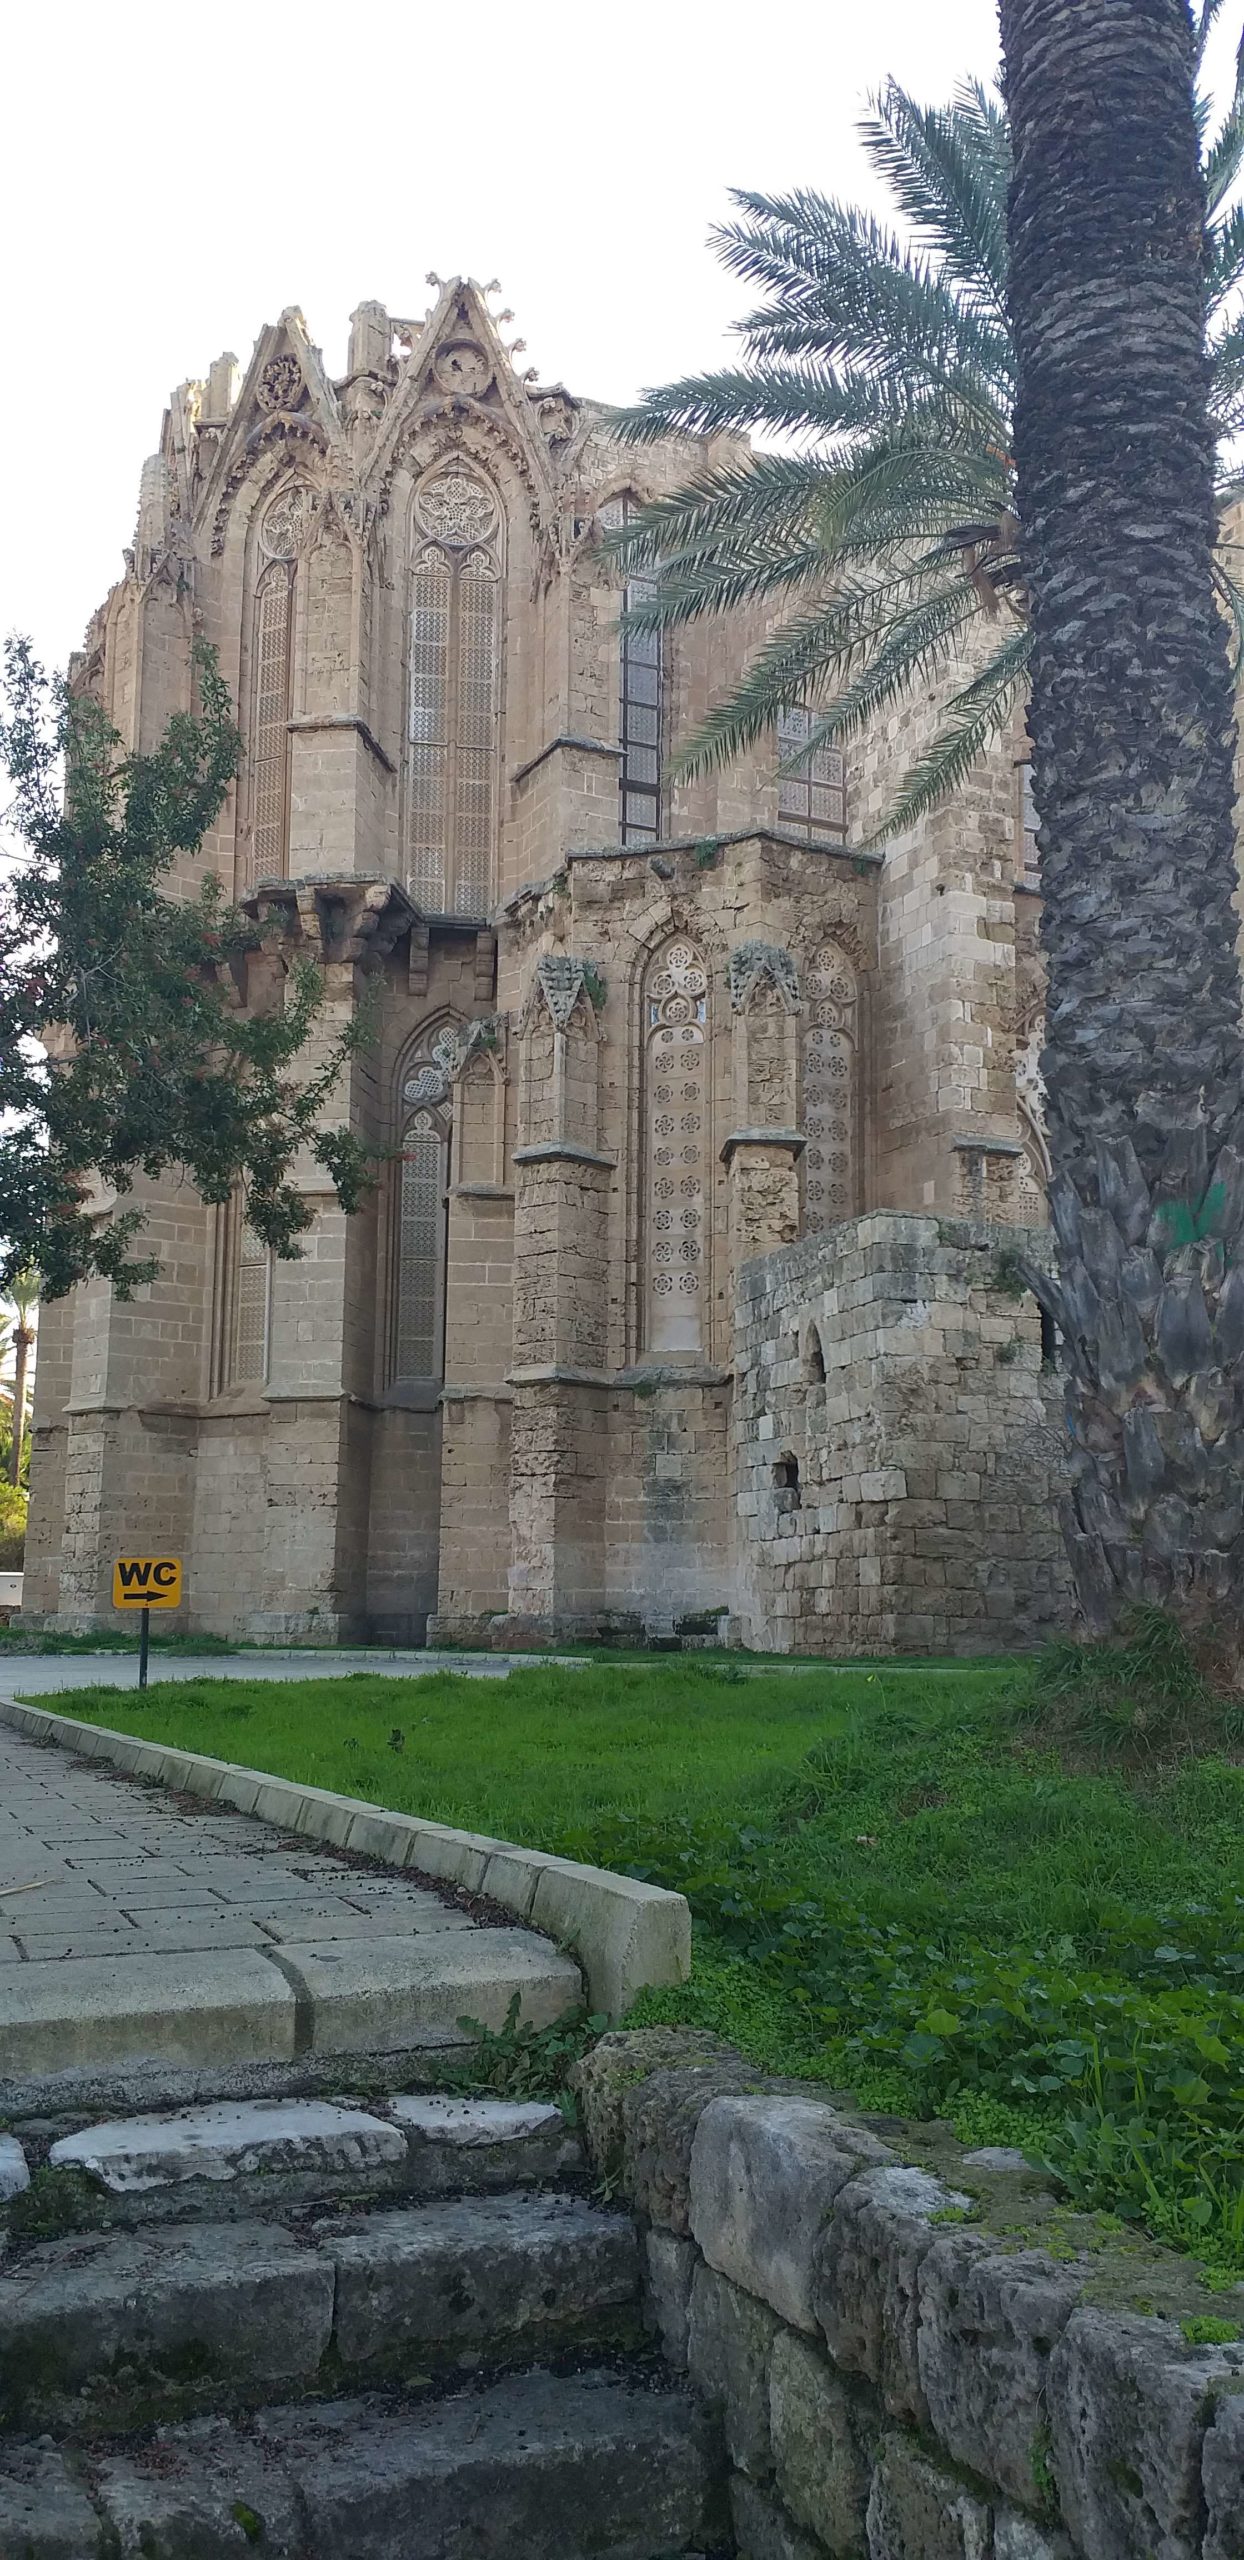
(242, 1319)
(830, 1090)
(676, 1114)
(454, 694)
(271, 670)
(812, 798)
(417, 1332)
(640, 688)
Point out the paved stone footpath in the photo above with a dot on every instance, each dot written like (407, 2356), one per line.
(134, 1928)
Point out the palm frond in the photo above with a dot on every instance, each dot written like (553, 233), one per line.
(952, 192)
(801, 660)
(1222, 158)
(863, 293)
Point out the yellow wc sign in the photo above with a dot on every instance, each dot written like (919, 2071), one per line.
(146, 1582)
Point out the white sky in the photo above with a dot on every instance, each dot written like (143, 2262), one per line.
(171, 178)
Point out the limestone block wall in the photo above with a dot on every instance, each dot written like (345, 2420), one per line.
(897, 1443)
(914, 2352)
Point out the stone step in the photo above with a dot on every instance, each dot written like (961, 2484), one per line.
(101, 2331)
(594, 2466)
(271, 2154)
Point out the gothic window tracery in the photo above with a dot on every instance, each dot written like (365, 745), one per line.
(454, 693)
(271, 681)
(812, 800)
(830, 1090)
(640, 686)
(417, 1354)
(676, 1112)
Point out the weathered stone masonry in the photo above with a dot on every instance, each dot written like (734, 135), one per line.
(649, 1058)
(913, 2352)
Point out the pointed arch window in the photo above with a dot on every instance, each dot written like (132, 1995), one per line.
(812, 799)
(454, 694)
(417, 1330)
(640, 691)
(676, 1117)
(272, 634)
(242, 1328)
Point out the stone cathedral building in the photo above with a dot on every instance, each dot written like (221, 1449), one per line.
(685, 1301)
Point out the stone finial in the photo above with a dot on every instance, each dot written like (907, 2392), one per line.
(221, 391)
(752, 963)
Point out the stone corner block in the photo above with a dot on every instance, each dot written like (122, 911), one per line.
(865, 2292)
(1130, 2412)
(628, 1937)
(765, 2175)
(621, 2062)
(987, 2326)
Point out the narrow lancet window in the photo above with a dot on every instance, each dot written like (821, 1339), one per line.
(417, 1330)
(454, 695)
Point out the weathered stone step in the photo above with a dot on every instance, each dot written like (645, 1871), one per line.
(592, 2467)
(262, 2155)
(107, 2330)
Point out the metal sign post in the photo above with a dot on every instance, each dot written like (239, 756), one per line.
(146, 1583)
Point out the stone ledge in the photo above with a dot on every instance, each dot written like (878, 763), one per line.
(625, 1935)
(896, 2361)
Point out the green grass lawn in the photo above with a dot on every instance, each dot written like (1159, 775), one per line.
(898, 1887)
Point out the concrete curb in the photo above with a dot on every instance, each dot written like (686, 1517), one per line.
(625, 1935)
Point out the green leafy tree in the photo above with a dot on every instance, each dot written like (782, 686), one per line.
(883, 528)
(124, 1048)
(1133, 733)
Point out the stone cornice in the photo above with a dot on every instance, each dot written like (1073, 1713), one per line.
(342, 720)
(585, 746)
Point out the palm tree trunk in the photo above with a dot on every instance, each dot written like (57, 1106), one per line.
(22, 1339)
(1133, 729)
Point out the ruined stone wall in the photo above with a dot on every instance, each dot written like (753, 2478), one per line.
(912, 2349)
(897, 1444)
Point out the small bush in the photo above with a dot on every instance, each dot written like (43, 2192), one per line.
(12, 1527)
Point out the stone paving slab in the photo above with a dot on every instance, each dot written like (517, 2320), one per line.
(154, 1933)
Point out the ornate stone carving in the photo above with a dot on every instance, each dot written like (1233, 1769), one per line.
(285, 521)
(462, 366)
(427, 1087)
(455, 507)
(676, 1112)
(561, 981)
(557, 415)
(830, 1097)
(281, 384)
(752, 964)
